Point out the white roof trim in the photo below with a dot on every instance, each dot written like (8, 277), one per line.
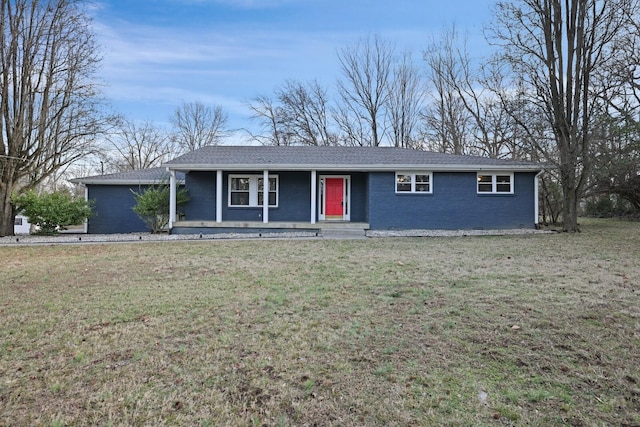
(119, 181)
(354, 168)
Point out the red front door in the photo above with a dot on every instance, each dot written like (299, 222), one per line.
(334, 201)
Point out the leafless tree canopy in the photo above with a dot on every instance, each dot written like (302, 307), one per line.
(379, 100)
(49, 113)
(133, 146)
(197, 125)
(465, 116)
(297, 116)
(367, 71)
(405, 103)
(273, 122)
(557, 49)
(447, 121)
(305, 109)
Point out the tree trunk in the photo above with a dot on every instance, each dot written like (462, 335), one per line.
(570, 197)
(7, 216)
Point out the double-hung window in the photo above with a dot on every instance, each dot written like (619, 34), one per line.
(414, 182)
(248, 190)
(273, 191)
(495, 183)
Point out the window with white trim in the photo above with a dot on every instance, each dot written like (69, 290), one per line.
(414, 182)
(247, 190)
(495, 183)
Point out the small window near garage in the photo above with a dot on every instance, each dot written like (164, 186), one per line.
(248, 190)
(498, 183)
(414, 182)
(18, 221)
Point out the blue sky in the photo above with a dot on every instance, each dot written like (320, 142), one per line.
(160, 53)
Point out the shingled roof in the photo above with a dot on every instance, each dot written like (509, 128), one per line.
(335, 158)
(136, 177)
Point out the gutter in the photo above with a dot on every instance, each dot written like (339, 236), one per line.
(118, 181)
(352, 168)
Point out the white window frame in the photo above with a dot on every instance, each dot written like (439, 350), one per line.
(494, 182)
(413, 175)
(253, 190)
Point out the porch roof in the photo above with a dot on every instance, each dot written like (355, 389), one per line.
(136, 177)
(247, 158)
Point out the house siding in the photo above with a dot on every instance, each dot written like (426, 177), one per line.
(201, 187)
(113, 209)
(453, 204)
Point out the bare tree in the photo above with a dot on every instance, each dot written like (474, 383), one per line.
(465, 115)
(49, 111)
(274, 126)
(197, 125)
(446, 118)
(556, 49)
(617, 155)
(305, 113)
(404, 103)
(134, 146)
(364, 91)
(354, 129)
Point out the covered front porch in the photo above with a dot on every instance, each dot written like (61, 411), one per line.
(223, 201)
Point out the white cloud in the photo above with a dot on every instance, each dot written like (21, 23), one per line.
(133, 53)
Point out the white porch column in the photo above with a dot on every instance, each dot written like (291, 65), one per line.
(86, 199)
(536, 201)
(172, 198)
(265, 196)
(314, 195)
(219, 196)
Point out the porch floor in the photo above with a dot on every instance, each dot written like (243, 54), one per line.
(324, 227)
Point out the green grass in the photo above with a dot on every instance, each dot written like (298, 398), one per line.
(410, 331)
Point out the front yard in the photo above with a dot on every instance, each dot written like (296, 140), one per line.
(511, 330)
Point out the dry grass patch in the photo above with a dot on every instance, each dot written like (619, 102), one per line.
(528, 330)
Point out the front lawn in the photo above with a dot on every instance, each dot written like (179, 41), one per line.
(513, 330)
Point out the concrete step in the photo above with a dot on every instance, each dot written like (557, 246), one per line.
(343, 233)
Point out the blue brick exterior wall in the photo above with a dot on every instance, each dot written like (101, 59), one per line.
(359, 197)
(454, 204)
(113, 209)
(201, 186)
(294, 199)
